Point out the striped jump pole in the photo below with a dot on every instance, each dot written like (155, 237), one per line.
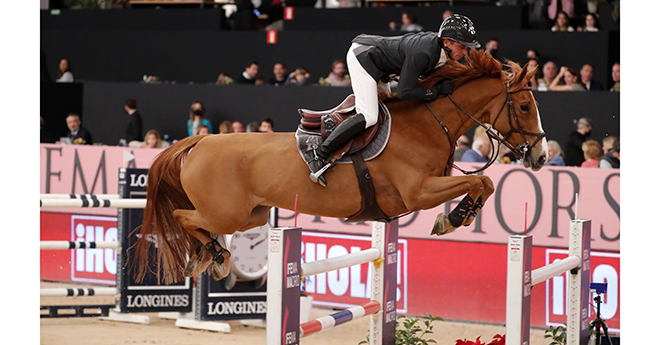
(79, 196)
(85, 202)
(285, 271)
(521, 278)
(109, 291)
(64, 245)
(327, 322)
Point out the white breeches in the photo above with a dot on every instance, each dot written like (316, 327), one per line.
(365, 88)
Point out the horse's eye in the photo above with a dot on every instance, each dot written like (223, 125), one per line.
(524, 108)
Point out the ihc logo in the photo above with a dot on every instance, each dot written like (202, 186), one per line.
(93, 265)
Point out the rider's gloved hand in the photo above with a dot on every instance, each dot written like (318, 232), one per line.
(444, 87)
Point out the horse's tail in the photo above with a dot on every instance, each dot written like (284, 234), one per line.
(164, 195)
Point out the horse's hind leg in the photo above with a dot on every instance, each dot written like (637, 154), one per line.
(201, 257)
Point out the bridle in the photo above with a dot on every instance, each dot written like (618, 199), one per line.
(518, 151)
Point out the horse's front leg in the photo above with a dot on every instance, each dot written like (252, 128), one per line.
(435, 191)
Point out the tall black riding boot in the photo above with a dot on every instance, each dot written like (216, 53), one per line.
(339, 136)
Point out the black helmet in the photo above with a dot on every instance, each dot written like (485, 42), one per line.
(459, 28)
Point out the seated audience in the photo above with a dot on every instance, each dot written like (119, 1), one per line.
(562, 23)
(252, 127)
(152, 140)
(64, 74)
(299, 77)
(462, 145)
(571, 80)
(592, 154)
(202, 130)
(480, 151)
(549, 73)
(238, 127)
(608, 142)
(337, 76)
(534, 82)
(555, 154)
(77, 135)
(611, 160)
(279, 74)
(224, 79)
(616, 77)
(408, 23)
(197, 113)
(267, 125)
(590, 24)
(249, 75)
(586, 75)
(225, 127)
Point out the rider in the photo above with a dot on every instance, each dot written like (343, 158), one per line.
(373, 59)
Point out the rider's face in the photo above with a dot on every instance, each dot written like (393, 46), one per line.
(458, 51)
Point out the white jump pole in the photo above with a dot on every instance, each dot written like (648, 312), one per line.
(285, 272)
(521, 278)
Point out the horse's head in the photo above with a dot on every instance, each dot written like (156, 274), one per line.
(519, 123)
(503, 100)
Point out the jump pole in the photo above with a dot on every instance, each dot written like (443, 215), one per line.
(285, 272)
(521, 278)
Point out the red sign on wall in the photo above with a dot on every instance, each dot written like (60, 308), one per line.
(349, 286)
(97, 265)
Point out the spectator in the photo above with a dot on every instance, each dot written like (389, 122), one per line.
(462, 145)
(253, 127)
(570, 76)
(77, 135)
(608, 142)
(238, 127)
(224, 79)
(299, 77)
(279, 74)
(590, 24)
(562, 23)
(260, 81)
(586, 73)
(267, 125)
(592, 154)
(408, 23)
(611, 160)
(555, 154)
(505, 155)
(225, 127)
(491, 47)
(133, 131)
(573, 155)
(249, 75)
(533, 54)
(202, 130)
(64, 74)
(152, 140)
(534, 82)
(549, 74)
(337, 76)
(480, 151)
(197, 118)
(616, 77)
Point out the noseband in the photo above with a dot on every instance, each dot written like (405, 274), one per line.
(518, 151)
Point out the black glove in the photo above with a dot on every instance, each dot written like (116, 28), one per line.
(444, 87)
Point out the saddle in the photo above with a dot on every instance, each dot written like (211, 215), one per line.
(325, 121)
(315, 126)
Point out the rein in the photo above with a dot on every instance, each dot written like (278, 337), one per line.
(519, 151)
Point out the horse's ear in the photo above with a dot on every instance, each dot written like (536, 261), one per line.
(522, 75)
(530, 74)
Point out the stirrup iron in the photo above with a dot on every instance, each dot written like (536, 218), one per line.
(314, 176)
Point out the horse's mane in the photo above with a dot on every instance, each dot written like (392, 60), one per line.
(478, 65)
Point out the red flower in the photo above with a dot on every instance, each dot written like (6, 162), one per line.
(497, 340)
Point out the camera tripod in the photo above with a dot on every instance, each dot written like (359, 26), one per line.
(598, 323)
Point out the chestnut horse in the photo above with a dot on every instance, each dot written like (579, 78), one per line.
(219, 184)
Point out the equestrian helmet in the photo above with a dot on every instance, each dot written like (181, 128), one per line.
(459, 28)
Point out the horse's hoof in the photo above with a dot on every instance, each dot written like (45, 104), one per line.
(442, 225)
(199, 261)
(220, 271)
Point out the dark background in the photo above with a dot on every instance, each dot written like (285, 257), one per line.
(111, 50)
